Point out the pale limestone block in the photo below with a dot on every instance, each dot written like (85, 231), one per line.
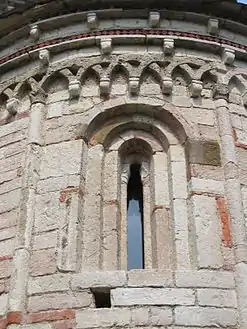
(106, 45)
(168, 45)
(154, 18)
(167, 86)
(110, 279)
(10, 185)
(134, 85)
(68, 232)
(57, 109)
(213, 26)
(3, 304)
(47, 212)
(9, 201)
(111, 218)
(150, 278)
(68, 154)
(205, 279)
(152, 296)
(208, 232)
(62, 300)
(103, 318)
(196, 88)
(241, 289)
(140, 316)
(181, 233)
(34, 32)
(164, 244)
(32, 326)
(176, 153)
(17, 294)
(228, 55)
(43, 262)
(5, 268)
(92, 210)
(35, 127)
(7, 247)
(161, 190)
(111, 172)
(179, 180)
(181, 101)
(105, 86)
(9, 219)
(74, 88)
(160, 316)
(8, 233)
(48, 283)
(207, 185)
(57, 183)
(217, 298)
(44, 57)
(45, 240)
(92, 20)
(12, 162)
(224, 121)
(228, 153)
(205, 316)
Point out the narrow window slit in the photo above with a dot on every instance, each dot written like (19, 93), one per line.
(102, 297)
(135, 234)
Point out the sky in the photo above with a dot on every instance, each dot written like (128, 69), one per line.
(242, 1)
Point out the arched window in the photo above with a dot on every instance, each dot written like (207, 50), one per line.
(135, 234)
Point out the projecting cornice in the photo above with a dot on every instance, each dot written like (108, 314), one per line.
(16, 14)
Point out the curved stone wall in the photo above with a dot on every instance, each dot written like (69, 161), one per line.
(81, 96)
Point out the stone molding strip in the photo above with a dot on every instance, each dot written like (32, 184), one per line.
(26, 52)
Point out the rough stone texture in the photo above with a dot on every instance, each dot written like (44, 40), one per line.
(70, 129)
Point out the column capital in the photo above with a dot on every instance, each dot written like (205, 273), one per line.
(38, 96)
(221, 91)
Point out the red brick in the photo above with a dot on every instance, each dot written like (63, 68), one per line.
(3, 323)
(225, 221)
(51, 316)
(14, 318)
(65, 324)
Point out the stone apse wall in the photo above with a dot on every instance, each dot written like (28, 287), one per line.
(79, 95)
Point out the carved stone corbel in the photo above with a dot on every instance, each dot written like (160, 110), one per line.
(12, 105)
(144, 172)
(221, 91)
(34, 32)
(168, 45)
(154, 19)
(44, 57)
(134, 85)
(196, 88)
(38, 96)
(213, 26)
(104, 86)
(92, 20)
(106, 45)
(74, 88)
(228, 55)
(167, 85)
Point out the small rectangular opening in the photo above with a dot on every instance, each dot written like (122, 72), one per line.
(102, 297)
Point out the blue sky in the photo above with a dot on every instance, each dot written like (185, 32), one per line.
(242, 1)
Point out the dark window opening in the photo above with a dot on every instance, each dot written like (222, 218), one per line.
(102, 298)
(135, 243)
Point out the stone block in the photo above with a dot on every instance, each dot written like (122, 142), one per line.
(43, 262)
(48, 283)
(213, 26)
(55, 301)
(205, 279)
(95, 279)
(45, 241)
(152, 296)
(217, 298)
(47, 212)
(3, 304)
(207, 185)
(205, 316)
(67, 153)
(150, 278)
(7, 247)
(208, 232)
(179, 180)
(160, 316)
(154, 18)
(103, 318)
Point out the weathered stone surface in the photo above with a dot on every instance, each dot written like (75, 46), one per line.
(61, 300)
(152, 296)
(48, 283)
(150, 278)
(43, 262)
(217, 298)
(205, 316)
(205, 279)
(95, 279)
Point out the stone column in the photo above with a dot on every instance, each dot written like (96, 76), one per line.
(234, 199)
(19, 278)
